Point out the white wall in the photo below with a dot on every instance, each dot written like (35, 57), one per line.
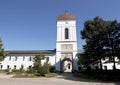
(107, 64)
(23, 59)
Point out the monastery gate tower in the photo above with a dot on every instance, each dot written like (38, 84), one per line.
(66, 43)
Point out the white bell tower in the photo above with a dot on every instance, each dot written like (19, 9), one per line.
(66, 43)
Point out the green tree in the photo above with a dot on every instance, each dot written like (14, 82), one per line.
(113, 41)
(2, 52)
(118, 41)
(38, 67)
(37, 61)
(84, 61)
(94, 33)
(102, 40)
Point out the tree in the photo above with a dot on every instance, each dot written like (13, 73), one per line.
(94, 33)
(84, 61)
(113, 41)
(102, 40)
(118, 41)
(38, 67)
(2, 52)
(37, 61)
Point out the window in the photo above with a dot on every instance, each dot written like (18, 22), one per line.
(8, 66)
(29, 67)
(105, 67)
(1, 66)
(47, 59)
(14, 67)
(16, 58)
(21, 67)
(23, 58)
(30, 58)
(66, 33)
(9, 58)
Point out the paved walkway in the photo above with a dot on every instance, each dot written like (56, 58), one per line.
(63, 79)
(5, 76)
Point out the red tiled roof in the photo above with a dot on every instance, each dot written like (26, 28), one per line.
(66, 17)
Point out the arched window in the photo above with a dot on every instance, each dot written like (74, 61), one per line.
(66, 33)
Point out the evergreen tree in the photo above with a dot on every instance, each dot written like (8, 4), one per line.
(2, 52)
(94, 33)
(102, 40)
(113, 42)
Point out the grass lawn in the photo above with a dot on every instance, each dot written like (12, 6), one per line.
(26, 75)
(100, 75)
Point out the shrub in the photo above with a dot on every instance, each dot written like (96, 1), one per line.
(31, 70)
(52, 69)
(21, 70)
(43, 70)
(7, 70)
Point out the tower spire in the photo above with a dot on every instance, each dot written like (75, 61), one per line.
(66, 12)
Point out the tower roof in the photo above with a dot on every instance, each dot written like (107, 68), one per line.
(66, 16)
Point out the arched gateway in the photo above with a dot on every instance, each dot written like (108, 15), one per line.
(66, 65)
(66, 43)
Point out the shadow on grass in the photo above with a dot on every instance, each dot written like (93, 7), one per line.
(72, 77)
(80, 78)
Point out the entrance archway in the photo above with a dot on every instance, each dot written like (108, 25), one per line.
(66, 65)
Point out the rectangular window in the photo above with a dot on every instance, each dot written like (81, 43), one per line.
(8, 66)
(22, 67)
(66, 33)
(23, 58)
(14, 67)
(105, 67)
(16, 58)
(29, 67)
(1, 66)
(30, 58)
(47, 58)
(9, 58)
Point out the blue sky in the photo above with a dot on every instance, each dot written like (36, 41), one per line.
(31, 24)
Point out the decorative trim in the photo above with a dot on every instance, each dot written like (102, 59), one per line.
(65, 41)
(67, 51)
